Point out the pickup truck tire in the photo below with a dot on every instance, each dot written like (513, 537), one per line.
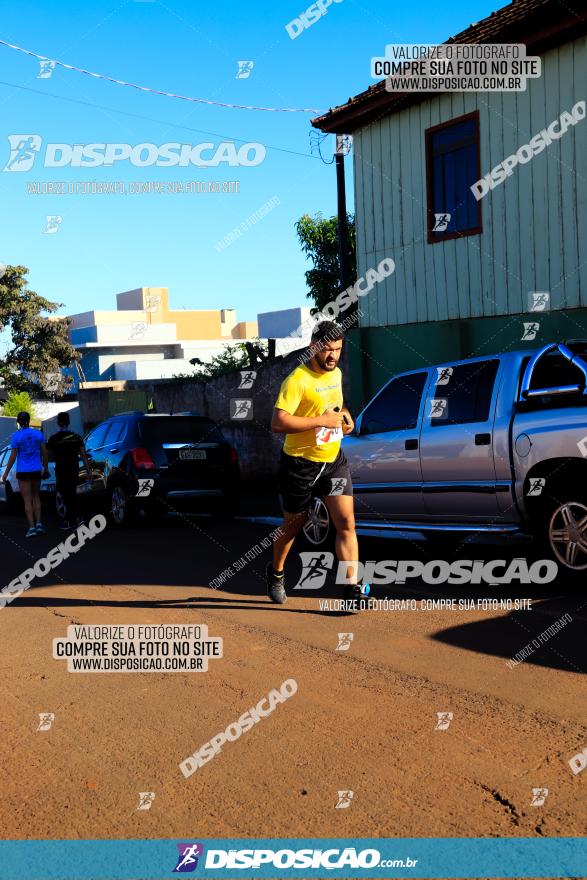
(317, 531)
(60, 508)
(566, 533)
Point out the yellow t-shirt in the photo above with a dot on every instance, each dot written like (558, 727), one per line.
(306, 393)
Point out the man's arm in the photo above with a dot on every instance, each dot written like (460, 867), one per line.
(284, 423)
(348, 425)
(9, 464)
(86, 459)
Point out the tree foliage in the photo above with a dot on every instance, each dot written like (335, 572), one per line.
(231, 359)
(319, 239)
(18, 401)
(40, 345)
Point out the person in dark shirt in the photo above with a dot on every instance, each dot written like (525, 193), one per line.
(66, 447)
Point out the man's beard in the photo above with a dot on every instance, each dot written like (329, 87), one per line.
(321, 361)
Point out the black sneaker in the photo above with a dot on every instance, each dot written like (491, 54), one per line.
(275, 585)
(358, 593)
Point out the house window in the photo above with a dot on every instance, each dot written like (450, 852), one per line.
(452, 166)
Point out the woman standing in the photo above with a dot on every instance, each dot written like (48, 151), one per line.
(30, 453)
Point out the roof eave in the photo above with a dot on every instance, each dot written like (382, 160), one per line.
(367, 106)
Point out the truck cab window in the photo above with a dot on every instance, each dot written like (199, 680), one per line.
(467, 392)
(396, 407)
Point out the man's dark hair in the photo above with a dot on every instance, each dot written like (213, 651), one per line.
(63, 419)
(23, 419)
(326, 331)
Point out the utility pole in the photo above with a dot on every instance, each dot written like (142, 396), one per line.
(342, 148)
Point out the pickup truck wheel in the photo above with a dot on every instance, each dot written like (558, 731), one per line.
(567, 535)
(60, 507)
(317, 527)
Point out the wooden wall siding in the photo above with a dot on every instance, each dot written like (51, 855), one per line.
(534, 225)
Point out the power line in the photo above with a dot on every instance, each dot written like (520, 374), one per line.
(121, 82)
(148, 118)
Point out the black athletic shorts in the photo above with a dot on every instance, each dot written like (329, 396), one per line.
(300, 480)
(29, 475)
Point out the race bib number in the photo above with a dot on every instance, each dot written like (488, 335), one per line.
(328, 435)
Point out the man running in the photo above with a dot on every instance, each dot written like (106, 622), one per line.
(30, 453)
(309, 411)
(67, 446)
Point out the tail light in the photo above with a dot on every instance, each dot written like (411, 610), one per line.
(233, 454)
(142, 459)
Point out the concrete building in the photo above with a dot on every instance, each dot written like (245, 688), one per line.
(291, 328)
(466, 287)
(145, 339)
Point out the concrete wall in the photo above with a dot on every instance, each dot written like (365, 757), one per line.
(119, 334)
(89, 319)
(275, 325)
(245, 330)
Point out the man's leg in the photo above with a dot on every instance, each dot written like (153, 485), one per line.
(282, 544)
(342, 514)
(291, 525)
(341, 509)
(70, 487)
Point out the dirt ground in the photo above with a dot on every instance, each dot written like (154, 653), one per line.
(362, 720)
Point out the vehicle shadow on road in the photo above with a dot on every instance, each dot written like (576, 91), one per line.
(543, 637)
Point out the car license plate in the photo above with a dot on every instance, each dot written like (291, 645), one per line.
(192, 453)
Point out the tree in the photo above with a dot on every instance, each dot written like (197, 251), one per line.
(319, 240)
(234, 357)
(40, 343)
(18, 401)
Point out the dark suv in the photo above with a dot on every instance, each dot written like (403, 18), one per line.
(160, 463)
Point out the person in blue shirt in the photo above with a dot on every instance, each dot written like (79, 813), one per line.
(30, 453)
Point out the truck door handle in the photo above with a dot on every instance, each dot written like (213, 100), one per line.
(411, 444)
(482, 439)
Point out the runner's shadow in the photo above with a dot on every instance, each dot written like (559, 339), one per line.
(193, 602)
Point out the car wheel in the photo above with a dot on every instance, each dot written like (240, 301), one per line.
(118, 507)
(60, 507)
(567, 535)
(317, 527)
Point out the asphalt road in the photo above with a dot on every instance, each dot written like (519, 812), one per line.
(365, 719)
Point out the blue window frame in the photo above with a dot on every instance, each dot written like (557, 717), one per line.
(452, 166)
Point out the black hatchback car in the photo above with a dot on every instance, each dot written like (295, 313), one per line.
(160, 464)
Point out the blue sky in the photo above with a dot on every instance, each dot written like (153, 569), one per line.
(109, 243)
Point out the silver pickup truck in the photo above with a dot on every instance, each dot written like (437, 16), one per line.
(493, 445)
